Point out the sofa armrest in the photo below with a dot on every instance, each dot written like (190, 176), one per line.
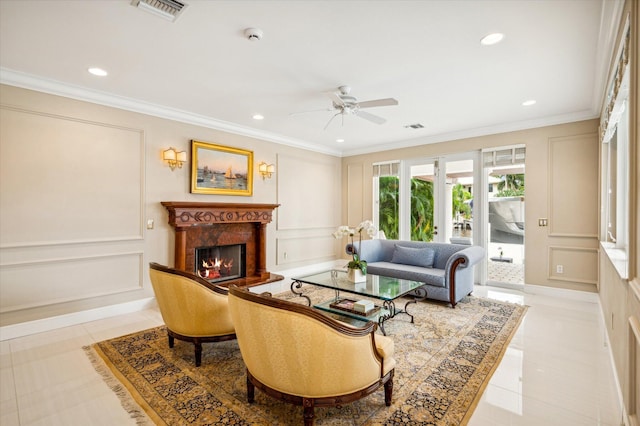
(471, 256)
(371, 250)
(458, 267)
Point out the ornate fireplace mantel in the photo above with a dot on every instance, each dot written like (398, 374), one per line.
(209, 224)
(183, 214)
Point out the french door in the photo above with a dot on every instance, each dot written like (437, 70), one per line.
(428, 199)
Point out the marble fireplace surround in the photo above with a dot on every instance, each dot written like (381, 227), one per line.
(217, 224)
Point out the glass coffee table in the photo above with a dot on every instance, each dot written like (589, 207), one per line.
(385, 289)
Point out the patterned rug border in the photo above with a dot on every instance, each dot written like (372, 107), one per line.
(494, 367)
(137, 407)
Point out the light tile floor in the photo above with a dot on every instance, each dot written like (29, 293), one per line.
(556, 371)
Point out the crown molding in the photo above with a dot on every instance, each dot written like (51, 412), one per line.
(27, 81)
(54, 87)
(611, 21)
(479, 131)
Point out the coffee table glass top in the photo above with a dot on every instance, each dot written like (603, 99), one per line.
(376, 286)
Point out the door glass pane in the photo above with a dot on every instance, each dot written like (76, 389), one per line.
(388, 207)
(612, 189)
(422, 203)
(459, 199)
(506, 224)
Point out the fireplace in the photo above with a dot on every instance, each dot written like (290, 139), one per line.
(220, 263)
(218, 226)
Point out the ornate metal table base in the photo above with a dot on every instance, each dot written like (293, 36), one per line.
(388, 306)
(298, 284)
(391, 311)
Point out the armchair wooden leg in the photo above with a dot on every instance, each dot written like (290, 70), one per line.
(308, 413)
(171, 340)
(198, 346)
(251, 390)
(388, 392)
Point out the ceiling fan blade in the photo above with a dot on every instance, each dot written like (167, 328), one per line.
(312, 110)
(378, 103)
(371, 117)
(331, 119)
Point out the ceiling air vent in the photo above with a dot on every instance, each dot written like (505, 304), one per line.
(414, 126)
(167, 9)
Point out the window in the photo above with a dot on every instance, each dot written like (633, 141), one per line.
(617, 180)
(614, 233)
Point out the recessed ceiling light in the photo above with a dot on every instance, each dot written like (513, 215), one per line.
(339, 140)
(97, 71)
(258, 117)
(490, 39)
(529, 102)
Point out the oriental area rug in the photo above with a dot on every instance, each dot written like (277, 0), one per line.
(444, 362)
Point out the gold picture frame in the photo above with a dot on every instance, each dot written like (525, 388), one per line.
(222, 170)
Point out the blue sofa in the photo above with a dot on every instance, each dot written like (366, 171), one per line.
(446, 269)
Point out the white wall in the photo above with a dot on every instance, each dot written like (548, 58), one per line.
(79, 181)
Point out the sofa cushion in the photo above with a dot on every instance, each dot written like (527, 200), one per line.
(413, 256)
(434, 277)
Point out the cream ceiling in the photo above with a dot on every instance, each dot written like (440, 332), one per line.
(426, 54)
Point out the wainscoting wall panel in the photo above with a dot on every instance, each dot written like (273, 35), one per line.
(37, 283)
(355, 196)
(316, 248)
(633, 308)
(308, 205)
(573, 183)
(578, 264)
(90, 174)
(73, 202)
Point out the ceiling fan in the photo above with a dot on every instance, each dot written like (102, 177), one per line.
(345, 104)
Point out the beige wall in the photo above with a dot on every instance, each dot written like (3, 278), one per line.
(620, 297)
(78, 182)
(562, 185)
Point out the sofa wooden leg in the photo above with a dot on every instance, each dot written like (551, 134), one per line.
(308, 413)
(171, 340)
(198, 351)
(251, 390)
(388, 392)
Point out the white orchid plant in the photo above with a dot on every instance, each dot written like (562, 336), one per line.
(346, 231)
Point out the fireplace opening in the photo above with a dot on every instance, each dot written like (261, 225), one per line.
(221, 263)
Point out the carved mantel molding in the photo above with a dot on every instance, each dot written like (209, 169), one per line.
(223, 223)
(183, 214)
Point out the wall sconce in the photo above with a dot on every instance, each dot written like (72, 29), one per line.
(266, 170)
(174, 158)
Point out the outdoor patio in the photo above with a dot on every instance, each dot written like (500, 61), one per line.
(506, 269)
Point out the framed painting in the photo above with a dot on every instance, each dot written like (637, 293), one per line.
(222, 170)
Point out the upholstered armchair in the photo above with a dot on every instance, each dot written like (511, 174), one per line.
(299, 355)
(193, 309)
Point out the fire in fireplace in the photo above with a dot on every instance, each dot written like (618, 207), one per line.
(220, 263)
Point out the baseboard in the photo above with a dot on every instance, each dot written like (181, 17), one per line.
(582, 296)
(47, 324)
